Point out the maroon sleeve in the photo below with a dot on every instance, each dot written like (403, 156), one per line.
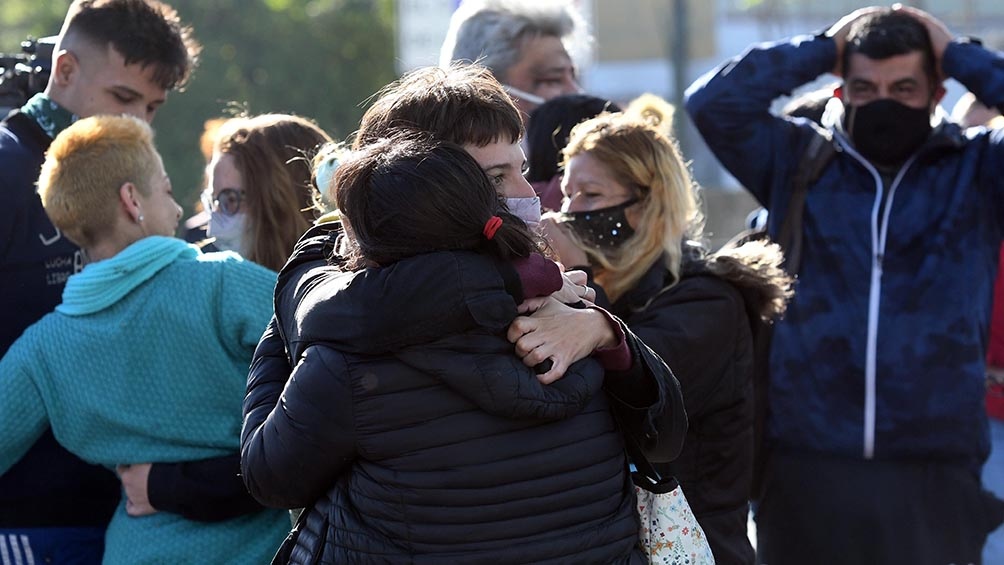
(539, 275)
(618, 357)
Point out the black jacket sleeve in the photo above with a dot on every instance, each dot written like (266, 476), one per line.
(315, 445)
(209, 490)
(647, 398)
(648, 402)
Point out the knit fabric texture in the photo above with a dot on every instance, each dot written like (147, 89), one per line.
(155, 376)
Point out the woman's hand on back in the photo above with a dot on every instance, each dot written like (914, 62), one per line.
(134, 480)
(558, 332)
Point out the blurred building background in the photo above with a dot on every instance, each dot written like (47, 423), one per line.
(325, 58)
(661, 46)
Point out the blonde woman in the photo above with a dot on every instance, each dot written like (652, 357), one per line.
(631, 217)
(145, 358)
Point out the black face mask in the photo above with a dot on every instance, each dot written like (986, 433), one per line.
(605, 228)
(887, 132)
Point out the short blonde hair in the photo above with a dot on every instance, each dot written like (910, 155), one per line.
(637, 148)
(84, 168)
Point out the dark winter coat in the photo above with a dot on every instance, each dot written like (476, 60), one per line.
(412, 433)
(701, 327)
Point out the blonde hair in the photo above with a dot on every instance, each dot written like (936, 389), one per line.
(84, 169)
(635, 145)
(272, 152)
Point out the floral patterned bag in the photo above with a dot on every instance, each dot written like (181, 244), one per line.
(669, 531)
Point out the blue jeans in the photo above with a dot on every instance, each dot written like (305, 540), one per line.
(993, 480)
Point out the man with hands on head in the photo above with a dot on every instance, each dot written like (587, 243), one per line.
(876, 426)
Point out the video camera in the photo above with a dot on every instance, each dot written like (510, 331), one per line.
(24, 74)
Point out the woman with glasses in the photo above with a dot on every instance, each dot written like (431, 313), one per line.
(260, 196)
(631, 217)
(145, 359)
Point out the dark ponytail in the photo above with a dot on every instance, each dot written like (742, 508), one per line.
(409, 195)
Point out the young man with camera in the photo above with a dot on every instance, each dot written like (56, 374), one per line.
(111, 57)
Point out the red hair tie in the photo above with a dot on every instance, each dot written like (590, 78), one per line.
(491, 226)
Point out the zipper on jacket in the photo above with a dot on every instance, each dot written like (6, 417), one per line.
(880, 230)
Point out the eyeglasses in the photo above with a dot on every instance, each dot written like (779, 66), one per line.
(227, 202)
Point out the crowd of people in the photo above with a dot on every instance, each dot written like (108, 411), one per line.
(458, 336)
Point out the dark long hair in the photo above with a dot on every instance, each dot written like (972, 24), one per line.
(405, 196)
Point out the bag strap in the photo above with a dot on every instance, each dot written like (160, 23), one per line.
(816, 157)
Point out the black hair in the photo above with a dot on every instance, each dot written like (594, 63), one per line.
(550, 124)
(888, 33)
(408, 195)
(142, 31)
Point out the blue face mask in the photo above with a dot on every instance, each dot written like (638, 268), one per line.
(228, 231)
(526, 209)
(603, 229)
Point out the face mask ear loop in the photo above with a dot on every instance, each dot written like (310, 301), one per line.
(523, 95)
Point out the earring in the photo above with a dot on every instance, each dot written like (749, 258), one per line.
(139, 220)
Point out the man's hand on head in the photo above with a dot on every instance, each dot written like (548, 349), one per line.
(839, 31)
(936, 29)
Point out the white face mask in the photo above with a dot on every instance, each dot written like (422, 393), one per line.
(523, 95)
(526, 209)
(228, 231)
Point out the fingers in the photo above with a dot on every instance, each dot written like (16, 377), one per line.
(531, 305)
(519, 327)
(939, 33)
(534, 354)
(577, 277)
(557, 371)
(589, 295)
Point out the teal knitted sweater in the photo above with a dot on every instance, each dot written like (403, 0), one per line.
(146, 360)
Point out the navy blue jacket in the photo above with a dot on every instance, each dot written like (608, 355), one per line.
(881, 352)
(49, 487)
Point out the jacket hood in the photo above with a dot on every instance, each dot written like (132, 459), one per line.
(379, 310)
(102, 284)
(753, 267)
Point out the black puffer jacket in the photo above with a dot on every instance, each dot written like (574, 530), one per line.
(412, 433)
(701, 326)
